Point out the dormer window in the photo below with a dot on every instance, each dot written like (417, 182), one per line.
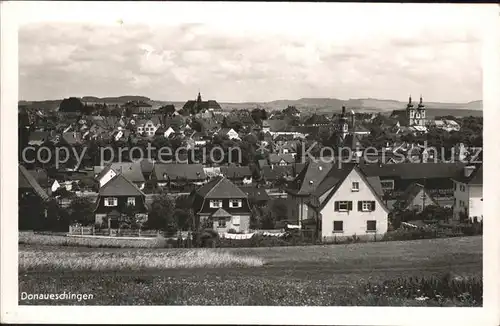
(216, 204)
(235, 203)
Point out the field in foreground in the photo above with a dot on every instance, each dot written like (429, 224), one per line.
(355, 274)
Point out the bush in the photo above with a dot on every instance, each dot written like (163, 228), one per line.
(462, 289)
(414, 234)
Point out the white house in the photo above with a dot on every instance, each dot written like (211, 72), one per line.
(147, 128)
(344, 202)
(229, 132)
(468, 193)
(168, 132)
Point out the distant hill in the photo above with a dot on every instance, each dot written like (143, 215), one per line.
(319, 105)
(119, 99)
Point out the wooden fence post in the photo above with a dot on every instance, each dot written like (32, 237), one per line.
(93, 230)
(139, 232)
(81, 230)
(70, 230)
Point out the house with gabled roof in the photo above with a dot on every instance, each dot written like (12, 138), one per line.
(237, 174)
(437, 178)
(281, 159)
(229, 132)
(130, 170)
(468, 193)
(223, 205)
(115, 197)
(166, 173)
(341, 201)
(415, 198)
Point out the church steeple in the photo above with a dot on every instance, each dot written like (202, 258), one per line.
(410, 104)
(421, 103)
(198, 99)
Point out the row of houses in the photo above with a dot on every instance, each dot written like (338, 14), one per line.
(337, 201)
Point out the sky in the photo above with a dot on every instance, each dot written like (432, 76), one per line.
(249, 52)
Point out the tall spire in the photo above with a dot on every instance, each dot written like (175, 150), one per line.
(421, 103)
(410, 104)
(199, 96)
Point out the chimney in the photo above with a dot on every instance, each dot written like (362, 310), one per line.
(343, 110)
(468, 170)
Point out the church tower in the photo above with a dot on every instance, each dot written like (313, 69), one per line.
(343, 126)
(410, 112)
(420, 114)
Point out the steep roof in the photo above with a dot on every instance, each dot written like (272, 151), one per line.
(179, 171)
(413, 170)
(475, 178)
(120, 186)
(236, 171)
(310, 177)
(275, 172)
(221, 213)
(410, 193)
(131, 170)
(219, 188)
(28, 181)
(276, 158)
(257, 194)
(334, 180)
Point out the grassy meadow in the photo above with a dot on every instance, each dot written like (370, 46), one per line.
(434, 272)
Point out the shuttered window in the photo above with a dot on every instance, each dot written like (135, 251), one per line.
(343, 206)
(366, 206)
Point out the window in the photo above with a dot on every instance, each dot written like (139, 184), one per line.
(343, 206)
(366, 206)
(387, 184)
(462, 203)
(371, 226)
(462, 188)
(235, 203)
(131, 201)
(355, 186)
(222, 223)
(338, 226)
(236, 220)
(111, 201)
(215, 203)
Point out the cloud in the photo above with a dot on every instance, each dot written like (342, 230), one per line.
(171, 62)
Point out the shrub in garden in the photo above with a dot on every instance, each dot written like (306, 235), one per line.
(462, 289)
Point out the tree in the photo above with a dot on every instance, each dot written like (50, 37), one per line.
(161, 215)
(71, 104)
(259, 115)
(184, 218)
(129, 219)
(82, 211)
